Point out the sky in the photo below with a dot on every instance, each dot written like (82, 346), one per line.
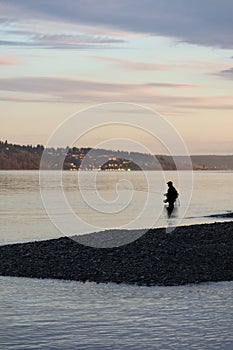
(172, 56)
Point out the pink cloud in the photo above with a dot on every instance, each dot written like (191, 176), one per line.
(138, 65)
(133, 65)
(9, 60)
(60, 90)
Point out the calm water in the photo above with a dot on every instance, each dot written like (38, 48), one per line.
(51, 314)
(47, 314)
(103, 200)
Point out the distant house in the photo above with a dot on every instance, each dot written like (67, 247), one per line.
(117, 164)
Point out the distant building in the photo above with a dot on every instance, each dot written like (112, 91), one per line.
(119, 164)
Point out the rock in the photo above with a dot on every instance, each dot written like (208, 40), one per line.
(190, 254)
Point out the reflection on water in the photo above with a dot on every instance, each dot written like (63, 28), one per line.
(50, 314)
(172, 219)
(113, 203)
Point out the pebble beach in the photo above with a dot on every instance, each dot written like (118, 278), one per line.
(189, 254)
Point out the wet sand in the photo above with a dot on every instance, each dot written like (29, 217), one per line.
(189, 254)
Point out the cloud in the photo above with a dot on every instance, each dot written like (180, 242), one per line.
(60, 90)
(64, 87)
(172, 85)
(58, 41)
(226, 73)
(9, 60)
(133, 65)
(137, 65)
(65, 41)
(202, 22)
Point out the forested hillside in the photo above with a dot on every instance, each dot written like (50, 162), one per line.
(17, 157)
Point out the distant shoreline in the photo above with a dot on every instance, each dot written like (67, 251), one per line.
(119, 171)
(189, 254)
(17, 157)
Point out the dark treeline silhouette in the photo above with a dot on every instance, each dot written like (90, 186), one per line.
(17, 157)
(21, 157)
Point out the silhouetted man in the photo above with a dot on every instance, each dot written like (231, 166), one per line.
(171, 195)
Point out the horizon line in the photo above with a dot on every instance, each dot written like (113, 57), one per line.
(118, 150)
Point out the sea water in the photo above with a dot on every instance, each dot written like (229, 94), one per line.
(104, 200)
(52, 314)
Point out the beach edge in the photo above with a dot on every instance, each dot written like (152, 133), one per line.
(189, 254)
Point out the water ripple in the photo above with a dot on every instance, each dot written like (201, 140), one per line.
(50, 314)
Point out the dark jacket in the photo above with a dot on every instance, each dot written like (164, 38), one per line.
(171, 195)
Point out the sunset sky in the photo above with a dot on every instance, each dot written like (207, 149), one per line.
(174, 56)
